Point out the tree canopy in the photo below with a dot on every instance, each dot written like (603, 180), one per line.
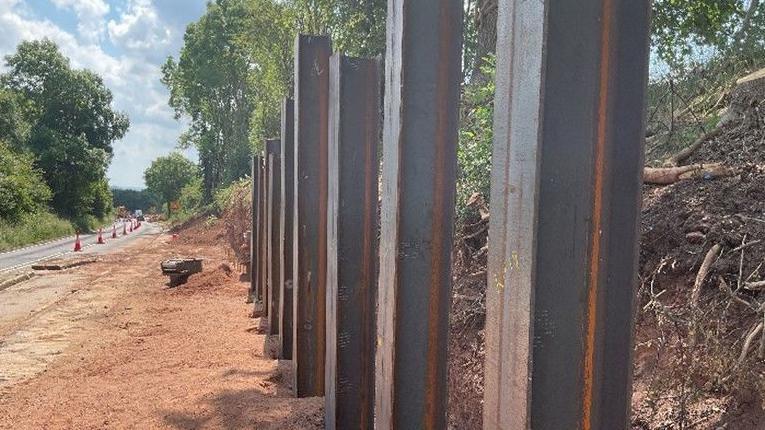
(22, 189)
(135, 199)
(63, 117)
(168, 175)
(237, 64)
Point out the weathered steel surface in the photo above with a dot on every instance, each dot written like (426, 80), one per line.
(568, 152)
(423, 58)
(260, 287)
(263, 303)
(354, 119)
(273, 204)
(252, 296)
(310, 213)
(285, 227)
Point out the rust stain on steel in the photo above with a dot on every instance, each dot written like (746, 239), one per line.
(310, 206)
(435, 400)
(286, 227)
(273, 198)
(352, 233)
(262, 288)
(597, 214)
(254, 230)
(422, 92)
(321, 312)
(371, 164)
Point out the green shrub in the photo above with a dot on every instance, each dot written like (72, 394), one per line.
(223, 198)
(475, 139)
(22, 189)
(191, 195)
(33, 228)
(90, 223)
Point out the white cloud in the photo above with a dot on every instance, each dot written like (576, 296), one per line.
(133, 154)
(90, 16)
(132, 72)
(139, 28)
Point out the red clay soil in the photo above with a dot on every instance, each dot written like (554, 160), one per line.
(155, 357)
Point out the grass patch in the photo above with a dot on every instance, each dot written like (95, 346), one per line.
(33, 229)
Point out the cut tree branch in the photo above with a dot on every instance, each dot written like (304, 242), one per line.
(670, 175)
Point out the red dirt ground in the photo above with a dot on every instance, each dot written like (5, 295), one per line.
(146, 356)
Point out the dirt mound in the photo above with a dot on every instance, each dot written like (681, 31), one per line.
(218, 279)
(700, 348)
(742, 126)
(681, 221)
(740, 143)
(199, 231)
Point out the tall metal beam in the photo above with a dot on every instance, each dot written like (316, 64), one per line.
(422, 89)
(310, 213)
(273, 235)
(354, 122)
(285, 227)
(566, 175)
(262, 304)
(259, 307)
(252, 294)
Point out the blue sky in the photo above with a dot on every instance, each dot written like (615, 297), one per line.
(124, 41)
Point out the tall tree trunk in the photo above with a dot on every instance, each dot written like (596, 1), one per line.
(486, 28)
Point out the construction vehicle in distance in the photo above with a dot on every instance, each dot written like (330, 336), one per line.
(122, 212)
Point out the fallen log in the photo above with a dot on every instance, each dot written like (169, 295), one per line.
(670, 175)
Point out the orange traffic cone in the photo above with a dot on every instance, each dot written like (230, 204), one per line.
(124, 229)
(100, 237)
(130, 229)
(77, 244)
(114, 231)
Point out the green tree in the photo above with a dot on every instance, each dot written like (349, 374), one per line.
(209, 85)
(191, 197)
(14, 125)
(167, 176)
(22, 189)
(237, 64)
(72, 122)
(357, 27)
(679, 26)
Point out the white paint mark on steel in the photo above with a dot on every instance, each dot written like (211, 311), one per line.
(515, 178)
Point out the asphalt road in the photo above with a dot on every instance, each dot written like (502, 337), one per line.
(27, 256)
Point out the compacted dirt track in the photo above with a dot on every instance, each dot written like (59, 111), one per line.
(114, 347)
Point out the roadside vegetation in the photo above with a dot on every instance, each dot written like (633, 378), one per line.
(35, 228)
(57, 127)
